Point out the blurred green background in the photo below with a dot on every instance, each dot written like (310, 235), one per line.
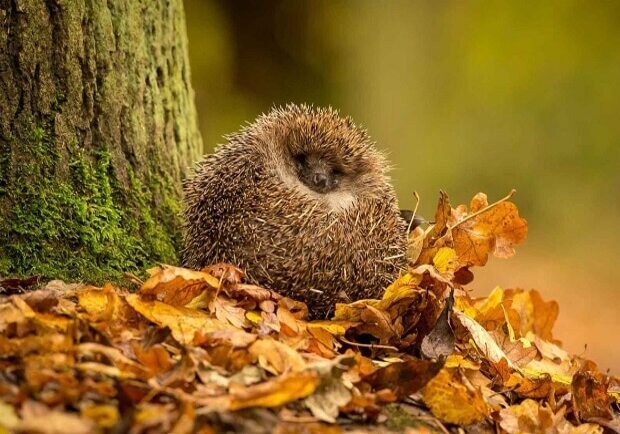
(465, 96)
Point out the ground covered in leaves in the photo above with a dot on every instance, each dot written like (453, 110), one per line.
(203, 351)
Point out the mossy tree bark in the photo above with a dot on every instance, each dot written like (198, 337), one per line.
(97, 129)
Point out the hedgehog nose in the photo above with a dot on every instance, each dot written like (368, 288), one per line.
(320, 180)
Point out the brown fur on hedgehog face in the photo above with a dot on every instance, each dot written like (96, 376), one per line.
(300, 199)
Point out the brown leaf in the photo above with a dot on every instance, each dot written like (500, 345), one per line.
(404, 378)
(439, 343)
(590, 398)
(537, 388)
(10, 286)
(226, 273)
(178, 286)
(516, 351)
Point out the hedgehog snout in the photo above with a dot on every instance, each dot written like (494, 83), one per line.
(318, 174)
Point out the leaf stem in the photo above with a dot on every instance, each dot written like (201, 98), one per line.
(415, 210)
(385, 347)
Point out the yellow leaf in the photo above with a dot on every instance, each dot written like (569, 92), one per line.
(276, 392)
(452, 401)
(491, 302)
(8, 417)
(47, 320)
(105, 415)
(352, 311)
(187, 325)
(101, 304)
(559, 372)
(444, 259)
(463, 304)
(336, 328)
(459, 361)
(166, 274)
(406, 286)
(253, 316)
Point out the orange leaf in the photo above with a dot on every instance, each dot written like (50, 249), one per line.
(494, 231)
(276, 392)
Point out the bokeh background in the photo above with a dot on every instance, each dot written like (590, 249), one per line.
(465, 96)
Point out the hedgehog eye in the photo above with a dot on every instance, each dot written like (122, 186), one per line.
(300, 161)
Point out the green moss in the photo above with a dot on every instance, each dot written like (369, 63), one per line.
(399, 419)
(86, 226)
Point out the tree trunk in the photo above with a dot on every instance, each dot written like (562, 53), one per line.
(97, 129)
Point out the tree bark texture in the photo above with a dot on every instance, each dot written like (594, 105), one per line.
(97, 130)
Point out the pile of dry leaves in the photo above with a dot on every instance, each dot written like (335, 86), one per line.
(202, 351)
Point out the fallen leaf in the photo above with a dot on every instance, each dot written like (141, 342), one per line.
(452, 400)
(404, 378)
(530, 417)
(439, 343)
(275, 392)
(189, 326)
(494, 231)
(277, 357)
(484, 341)
(177, 286)
(590, 397)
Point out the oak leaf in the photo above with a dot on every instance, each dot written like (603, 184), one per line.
(494, 231)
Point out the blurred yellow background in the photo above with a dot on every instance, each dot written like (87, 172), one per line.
(465, 96)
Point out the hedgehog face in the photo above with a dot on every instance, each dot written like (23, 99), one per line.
(318, 173)
(323, 156)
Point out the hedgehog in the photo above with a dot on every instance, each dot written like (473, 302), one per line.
(301, 201)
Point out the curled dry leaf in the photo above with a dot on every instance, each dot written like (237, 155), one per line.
(484, 341)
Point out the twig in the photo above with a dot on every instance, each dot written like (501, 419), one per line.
(133, 279)
(435, 422)
(385, 347)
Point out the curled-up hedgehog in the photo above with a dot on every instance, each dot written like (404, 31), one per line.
(301, 201)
